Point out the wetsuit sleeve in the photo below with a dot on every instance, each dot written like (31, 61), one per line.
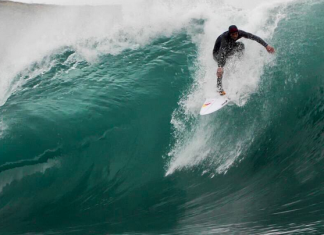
(218, 53)
(253, 37)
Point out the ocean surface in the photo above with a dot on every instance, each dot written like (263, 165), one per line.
(100, 131)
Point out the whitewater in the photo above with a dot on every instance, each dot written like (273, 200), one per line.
(100, 131)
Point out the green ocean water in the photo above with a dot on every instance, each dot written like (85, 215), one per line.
(103, 135)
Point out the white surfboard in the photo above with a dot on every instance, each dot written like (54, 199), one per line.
(213, 104)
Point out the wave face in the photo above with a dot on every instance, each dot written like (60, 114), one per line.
(100, 130)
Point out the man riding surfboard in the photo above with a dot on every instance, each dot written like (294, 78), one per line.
(226, 46)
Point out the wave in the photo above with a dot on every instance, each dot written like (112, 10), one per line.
(100, 130)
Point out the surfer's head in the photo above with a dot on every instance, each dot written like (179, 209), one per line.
(233, 32)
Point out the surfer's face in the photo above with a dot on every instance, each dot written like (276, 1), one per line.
(234, 36)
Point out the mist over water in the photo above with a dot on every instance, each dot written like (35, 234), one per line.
(100, 131)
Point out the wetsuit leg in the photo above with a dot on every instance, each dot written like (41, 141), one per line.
(219, 83)
(239, 48)
(221, 62)
(217, 58)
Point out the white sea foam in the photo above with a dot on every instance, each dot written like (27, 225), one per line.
(30, 33)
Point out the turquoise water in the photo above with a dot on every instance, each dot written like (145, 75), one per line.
(100, 130)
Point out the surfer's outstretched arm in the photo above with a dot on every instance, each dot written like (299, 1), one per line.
(253, 37)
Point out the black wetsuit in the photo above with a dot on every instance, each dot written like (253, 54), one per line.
(225, 46)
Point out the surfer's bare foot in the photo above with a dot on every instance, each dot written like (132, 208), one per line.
(222, 92)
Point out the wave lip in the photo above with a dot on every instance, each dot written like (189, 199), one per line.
(37, 31)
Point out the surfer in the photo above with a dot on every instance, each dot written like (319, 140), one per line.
(226, 46)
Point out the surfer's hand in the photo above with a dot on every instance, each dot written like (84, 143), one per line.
(270, 49)
(220, 72)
